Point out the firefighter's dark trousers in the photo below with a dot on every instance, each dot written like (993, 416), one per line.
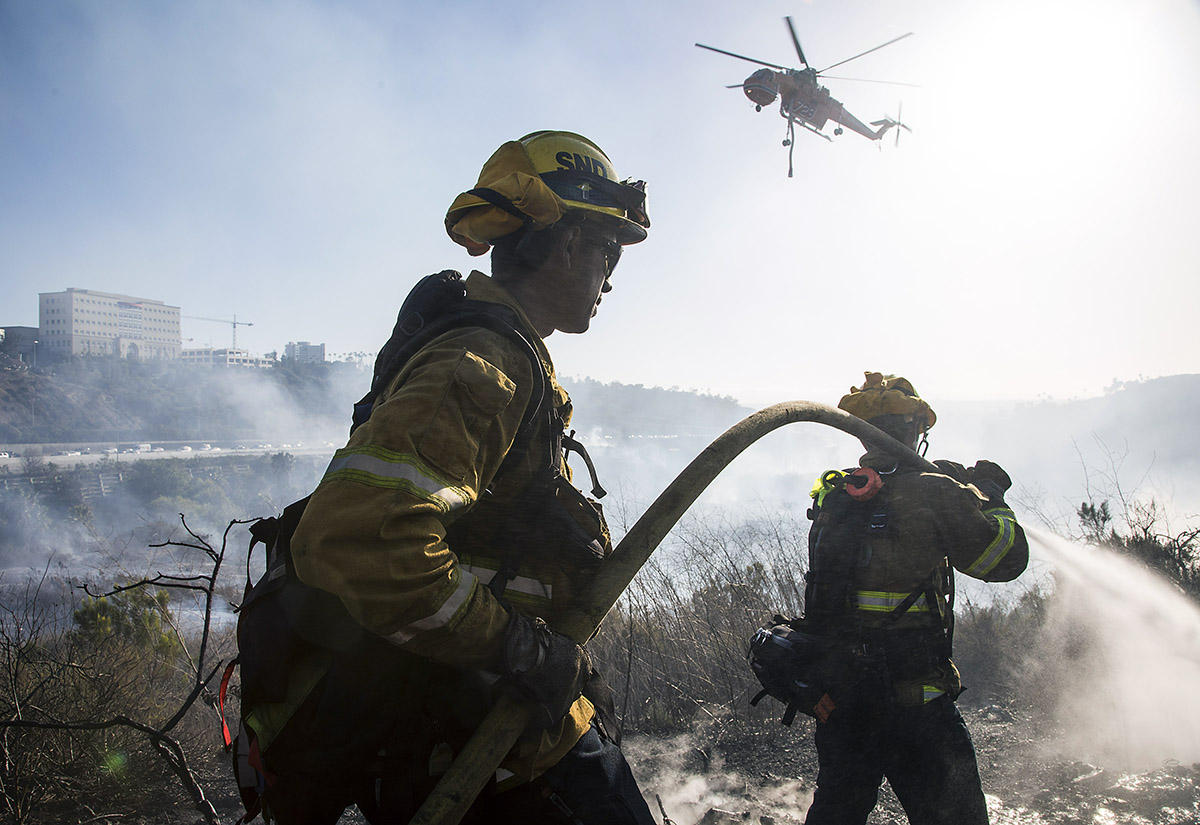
(591, 785)
(924, 751)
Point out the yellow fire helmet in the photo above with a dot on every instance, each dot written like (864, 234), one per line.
(887, 395)
(534, 181)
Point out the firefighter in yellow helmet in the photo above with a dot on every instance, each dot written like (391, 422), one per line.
(450, 532)
(883, 547)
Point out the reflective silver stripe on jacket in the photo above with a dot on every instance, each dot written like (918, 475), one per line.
(466, 586)
(885, 601)
(377, 467)
(1006, 536)
(527, 585)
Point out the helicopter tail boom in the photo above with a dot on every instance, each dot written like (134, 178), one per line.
(854, 124)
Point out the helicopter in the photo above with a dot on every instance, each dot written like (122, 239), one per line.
(805, 102)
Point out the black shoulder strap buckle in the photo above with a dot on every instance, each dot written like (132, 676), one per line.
(570, 445)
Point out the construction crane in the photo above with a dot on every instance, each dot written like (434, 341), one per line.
(235, 323)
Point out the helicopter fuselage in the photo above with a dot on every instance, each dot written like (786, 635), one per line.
(803, 99)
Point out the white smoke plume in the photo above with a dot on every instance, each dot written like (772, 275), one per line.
(691, 782)
(1121, 645)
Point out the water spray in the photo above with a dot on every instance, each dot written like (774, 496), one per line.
(1121, 645)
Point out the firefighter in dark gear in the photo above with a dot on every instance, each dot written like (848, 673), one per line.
(438, 526)
(883, 547)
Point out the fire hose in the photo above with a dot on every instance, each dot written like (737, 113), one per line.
(508, 718)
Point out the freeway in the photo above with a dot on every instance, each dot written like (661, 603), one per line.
(93, 455)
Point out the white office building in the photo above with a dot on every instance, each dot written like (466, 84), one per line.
(86, 322)
(302, 352)
(210, 357)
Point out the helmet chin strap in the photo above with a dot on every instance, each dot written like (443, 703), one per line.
(923, 444)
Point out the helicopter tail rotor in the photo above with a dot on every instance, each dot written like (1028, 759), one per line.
(889, 122)
(900, 124)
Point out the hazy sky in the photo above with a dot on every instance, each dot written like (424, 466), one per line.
(292, 163)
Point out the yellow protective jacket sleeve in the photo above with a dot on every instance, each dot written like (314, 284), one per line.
(373, 532)
(981, 539)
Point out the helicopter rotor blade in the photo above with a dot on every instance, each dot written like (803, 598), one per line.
(796, 40)
(743, 57)
(868, 51)
(868, 80)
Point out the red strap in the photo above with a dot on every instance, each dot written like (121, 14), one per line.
(256, 761)
(221, 703)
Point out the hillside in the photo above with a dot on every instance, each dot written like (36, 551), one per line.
(104, 400)
(1137, 437)
(1136, 440)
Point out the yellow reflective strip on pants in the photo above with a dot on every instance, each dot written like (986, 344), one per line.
(377, 467)
(884, 601)
(929, 693)
(1006, 536)
(466, 586)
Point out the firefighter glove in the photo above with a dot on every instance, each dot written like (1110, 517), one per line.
(546, 668)
(955, 470)
(991, 480)
(991, 471)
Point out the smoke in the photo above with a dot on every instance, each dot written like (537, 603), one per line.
(107, 537)
(690, 782)
(1120, 649)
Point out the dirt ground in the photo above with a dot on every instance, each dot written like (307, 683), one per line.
(762, 773)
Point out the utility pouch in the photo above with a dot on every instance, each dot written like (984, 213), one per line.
(550, 522)
(579, 522)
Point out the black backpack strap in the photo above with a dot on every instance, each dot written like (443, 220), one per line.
(467, 314)
(263, 531)
(933, 598)
(909, 600)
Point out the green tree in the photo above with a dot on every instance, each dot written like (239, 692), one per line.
(136, 616)
(1146, 538)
